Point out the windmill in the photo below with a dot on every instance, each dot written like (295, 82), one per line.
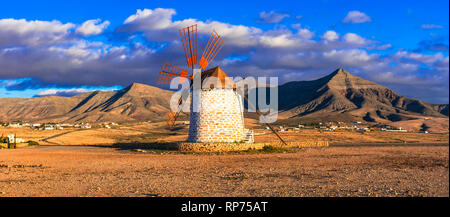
(220, 118)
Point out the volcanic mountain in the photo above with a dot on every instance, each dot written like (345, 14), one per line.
(343, 96)
(339, 96)
(137, 102)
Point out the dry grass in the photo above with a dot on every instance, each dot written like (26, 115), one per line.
(123, 170)
(331, 171)
(30, 134)
(348, 136)
(158, 132)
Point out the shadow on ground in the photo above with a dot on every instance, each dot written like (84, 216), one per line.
(146, 146)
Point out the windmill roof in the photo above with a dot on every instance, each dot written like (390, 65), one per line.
(221, 77)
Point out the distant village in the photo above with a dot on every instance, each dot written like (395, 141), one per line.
(58, 126)
(328, 126)
(334, 126)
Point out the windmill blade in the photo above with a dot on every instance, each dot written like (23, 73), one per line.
(215, 44)
(268, 125)
(172, 116)
(169, 72)
(189, 40)
(171, 119)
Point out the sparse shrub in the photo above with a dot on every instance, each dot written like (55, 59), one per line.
(32, 143)
(424, 127)
(273, 149)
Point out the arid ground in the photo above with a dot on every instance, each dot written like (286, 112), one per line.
(92, 162)
(332, 171)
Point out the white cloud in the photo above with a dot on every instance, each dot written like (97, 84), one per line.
(330, 35)
(158, 18)
(383, 47)
(281, 40)
(157, 25)
(431, 26)
(61, 92)
(58, 55)
(351, 57)
(272, 17)
(442, 66)
(423, 58)
(230, 61)
(397, 78)
(80, 50)
(353, 38)
(92, 27)
(305, 33)
(379, 47)
(21, 32)
(356, 17)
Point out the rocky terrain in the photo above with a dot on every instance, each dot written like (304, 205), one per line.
(333, 171)
(137, 102)
(345, 95)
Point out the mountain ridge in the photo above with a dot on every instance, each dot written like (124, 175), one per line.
(136, 102)
(343, 92)
(340, 93)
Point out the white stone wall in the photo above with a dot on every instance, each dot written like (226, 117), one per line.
(220, 117)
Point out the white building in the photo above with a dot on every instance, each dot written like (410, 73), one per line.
(15, 125)
(220, 116)
(13, 139)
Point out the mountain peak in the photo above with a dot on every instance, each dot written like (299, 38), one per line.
(139, 88)
(350, 96)
(137, 85)
(340, 71)
(342, 79)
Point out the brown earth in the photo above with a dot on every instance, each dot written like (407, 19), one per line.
(145, 132)
(111, 162)
(436, 125)
(333, 171)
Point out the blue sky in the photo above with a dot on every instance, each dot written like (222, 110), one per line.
(69, 47)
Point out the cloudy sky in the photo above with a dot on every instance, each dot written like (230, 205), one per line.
(69, 47)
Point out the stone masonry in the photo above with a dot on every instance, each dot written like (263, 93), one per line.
(220, 117)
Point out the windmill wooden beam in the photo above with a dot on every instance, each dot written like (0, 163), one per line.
(215, 44)
(169, 72)
(189, 40)
(267, 124)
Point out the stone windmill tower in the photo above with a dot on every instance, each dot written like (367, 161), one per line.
(220, 115)
(217, 115)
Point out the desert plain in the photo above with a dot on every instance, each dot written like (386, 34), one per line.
(115, 162)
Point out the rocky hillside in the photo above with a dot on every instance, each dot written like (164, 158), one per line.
(347, 96)
(338, 96)
(137, 102)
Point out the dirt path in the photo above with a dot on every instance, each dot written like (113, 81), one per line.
(57, 135)
(332, 171)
